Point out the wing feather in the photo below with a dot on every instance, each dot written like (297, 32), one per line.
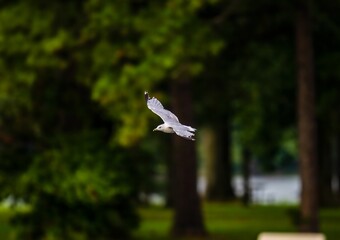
(156, 106)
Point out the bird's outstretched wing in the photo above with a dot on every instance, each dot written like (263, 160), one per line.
(156, 106)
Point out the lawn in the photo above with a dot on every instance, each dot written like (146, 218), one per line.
(223, 222)
(235, 222)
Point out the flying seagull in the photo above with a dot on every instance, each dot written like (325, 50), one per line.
(171, 123)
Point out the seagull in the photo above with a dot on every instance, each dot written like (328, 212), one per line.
(171, 123)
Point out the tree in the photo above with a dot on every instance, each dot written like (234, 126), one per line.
(104, 52)
(215, 129)
(59, 143)
(247, 191)
(325, 166)
(160, 42)
(337, 170)
(258, 85)
(64, 168)
(216, 144)
(328, 86)
(250, 85)
(188, 216)
(306, 120)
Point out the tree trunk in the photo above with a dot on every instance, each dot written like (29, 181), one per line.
(170, 181)
(218, 164)
(306, 121)
(326, 198)
(188, 216)
(246, 160)
(337, 166)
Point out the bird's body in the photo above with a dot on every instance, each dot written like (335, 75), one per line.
(171, 123)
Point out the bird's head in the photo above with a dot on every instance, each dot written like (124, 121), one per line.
(159, 128)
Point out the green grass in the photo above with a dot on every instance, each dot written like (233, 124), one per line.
(223, 222)
(6, 232)
(235, 222)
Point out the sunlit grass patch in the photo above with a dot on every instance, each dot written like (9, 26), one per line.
(155, 223)
(235, 222)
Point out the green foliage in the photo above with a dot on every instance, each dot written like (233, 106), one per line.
(77, 187)
(118, 49)
(62, 151)
(250, 85)
(266, 110)
(149, 46)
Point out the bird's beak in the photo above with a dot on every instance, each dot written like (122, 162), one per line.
(155, 129)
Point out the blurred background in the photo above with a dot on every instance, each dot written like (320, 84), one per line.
(259, 80)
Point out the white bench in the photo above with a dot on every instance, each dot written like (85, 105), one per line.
(291, 236)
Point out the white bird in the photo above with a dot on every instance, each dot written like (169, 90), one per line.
(171, 123)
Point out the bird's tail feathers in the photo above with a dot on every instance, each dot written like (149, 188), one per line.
(191, 129)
